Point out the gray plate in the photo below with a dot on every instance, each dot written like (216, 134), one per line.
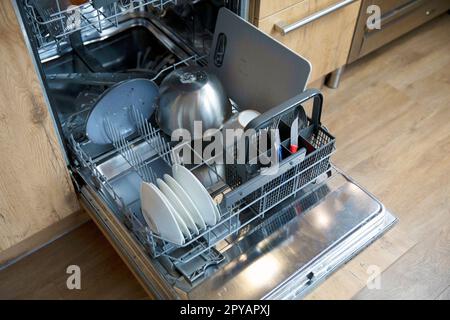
(115, 104)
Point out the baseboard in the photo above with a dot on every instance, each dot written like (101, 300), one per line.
(42, 238)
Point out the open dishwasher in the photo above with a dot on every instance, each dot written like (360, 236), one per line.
(278, 234)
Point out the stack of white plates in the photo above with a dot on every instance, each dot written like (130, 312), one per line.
(179, 208)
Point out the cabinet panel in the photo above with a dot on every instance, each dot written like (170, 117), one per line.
(387, 6)
(325, 41)
(35, 187)
(397, 18)
(265, 8)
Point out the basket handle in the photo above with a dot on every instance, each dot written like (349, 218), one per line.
(265, 120)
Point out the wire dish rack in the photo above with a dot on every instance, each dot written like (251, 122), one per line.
(55, 20)
(242, 203)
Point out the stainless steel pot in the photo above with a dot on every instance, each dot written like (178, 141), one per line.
(192, 94)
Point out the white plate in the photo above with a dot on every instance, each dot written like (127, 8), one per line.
(178, 206)
(159, 215)
(198, 194)
(183, 227)
(186, 201)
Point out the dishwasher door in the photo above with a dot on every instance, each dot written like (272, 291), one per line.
(301, 243)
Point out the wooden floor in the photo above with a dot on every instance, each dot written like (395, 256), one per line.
(391, 117)
(42, 275)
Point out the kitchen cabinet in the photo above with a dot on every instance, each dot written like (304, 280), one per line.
(35, 187)
(325, 40)
(397, 18)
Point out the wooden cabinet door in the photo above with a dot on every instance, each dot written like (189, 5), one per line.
(35, 187)
(397, 18)
(325, 42)
(264, 8)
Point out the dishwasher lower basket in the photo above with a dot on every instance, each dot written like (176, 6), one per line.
(244, 203)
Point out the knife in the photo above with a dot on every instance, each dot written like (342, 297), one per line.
(294, 136)
(277, 145)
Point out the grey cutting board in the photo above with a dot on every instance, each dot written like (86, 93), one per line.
(257, 71)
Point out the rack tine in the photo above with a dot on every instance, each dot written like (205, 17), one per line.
(147, 174)
(173, 157)
(152, 136)
(131, 156)
(167, 153)
(150, 132)
(160, 147)
(139, 120)
(109, 129)
(151, 175)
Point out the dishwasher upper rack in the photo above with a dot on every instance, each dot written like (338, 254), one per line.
(53, 21)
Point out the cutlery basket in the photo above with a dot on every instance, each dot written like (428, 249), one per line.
(294, 170)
